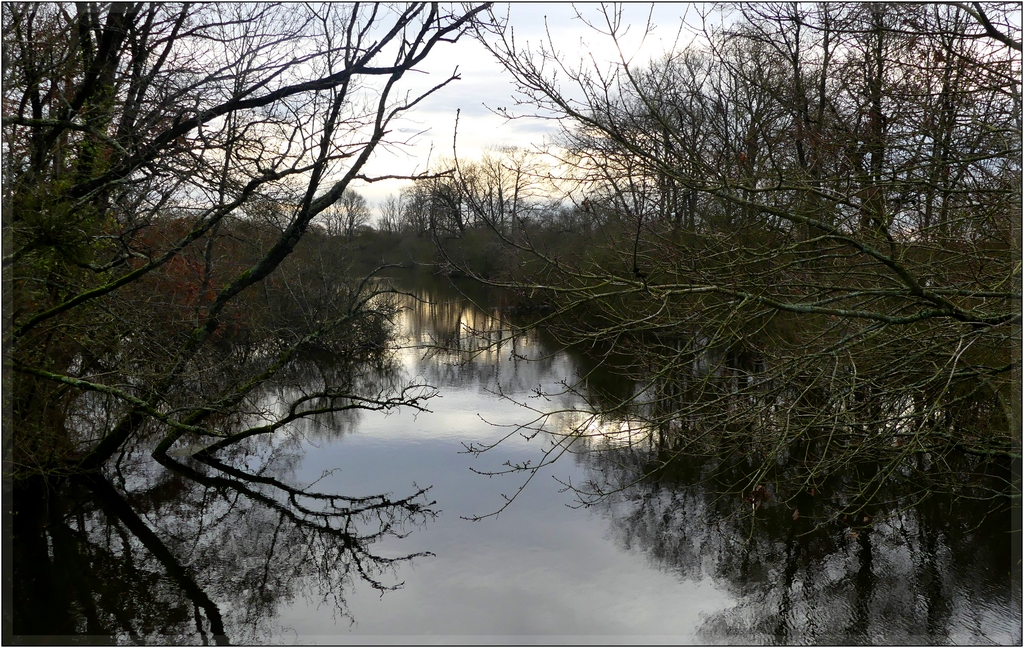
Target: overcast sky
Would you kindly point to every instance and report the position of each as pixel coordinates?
(485, 85)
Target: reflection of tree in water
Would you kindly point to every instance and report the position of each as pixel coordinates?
(204, 551)
(934, 571)
(464, 339)
(209, 545)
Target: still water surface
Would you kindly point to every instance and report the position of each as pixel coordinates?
(541, 570)
(665, 561)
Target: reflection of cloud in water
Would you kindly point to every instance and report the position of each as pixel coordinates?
(603, 432)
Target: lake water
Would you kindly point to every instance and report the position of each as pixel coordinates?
(159, 557)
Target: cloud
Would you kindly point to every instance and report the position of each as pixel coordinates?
(485, 85)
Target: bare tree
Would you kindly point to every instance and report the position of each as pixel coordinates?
(347, 215)
(391, 214)
(141, 143)
(811, 246)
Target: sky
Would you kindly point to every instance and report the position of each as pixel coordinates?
(485, 85)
